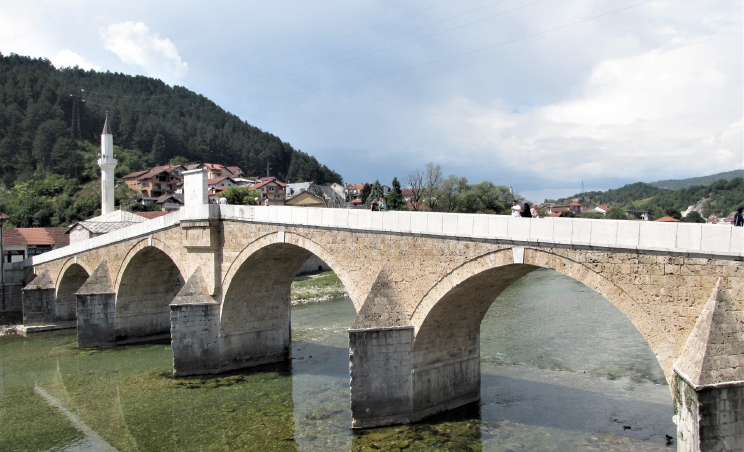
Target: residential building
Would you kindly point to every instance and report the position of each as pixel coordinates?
(21, 243)
(273, 189)
(159, 181)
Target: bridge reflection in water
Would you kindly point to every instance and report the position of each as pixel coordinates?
(420, 284)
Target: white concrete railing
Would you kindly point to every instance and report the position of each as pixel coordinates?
(717, 241)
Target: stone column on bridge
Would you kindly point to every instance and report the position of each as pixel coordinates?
(709, 380)
(195, 327)
(96, 310)
(381, 359)
(195, 190)
(39, 307)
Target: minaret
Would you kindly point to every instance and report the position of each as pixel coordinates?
(107, 162)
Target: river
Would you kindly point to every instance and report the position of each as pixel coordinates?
(562, 370)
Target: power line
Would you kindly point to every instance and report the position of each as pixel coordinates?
(379, 42)
(429, 63)
(459, 55)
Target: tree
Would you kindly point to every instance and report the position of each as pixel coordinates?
(674, 213)
(693, 217)
(616, 213)
(433, 185)
(242, 196)
(364, 193)
(415, 182)
(451, 190)
(394, 197)
(374, 193)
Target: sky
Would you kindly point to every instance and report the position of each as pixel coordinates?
(539, 95)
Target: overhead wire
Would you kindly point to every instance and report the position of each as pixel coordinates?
(378, 42)
(429, 63)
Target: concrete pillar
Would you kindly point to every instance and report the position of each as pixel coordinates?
(96, 310)
(96, 319)
(195, 187)
(381, 376)
(709, 418)
(709, 380)
(38, 306)
(194, 338)
(38, 301)
(195, 327)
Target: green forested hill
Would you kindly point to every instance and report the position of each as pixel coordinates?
(721, 197)
(674, 184)
(51, 120)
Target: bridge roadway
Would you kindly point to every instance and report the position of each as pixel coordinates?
(217, 279)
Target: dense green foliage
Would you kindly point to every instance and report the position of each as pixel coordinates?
(720, 198)
(394, 197)
(51, 121)
(242, 196)
(674, 184)
(456, 195)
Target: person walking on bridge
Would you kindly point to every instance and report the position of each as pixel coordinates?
(738, 217)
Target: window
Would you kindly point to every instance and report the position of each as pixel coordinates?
(271, 188)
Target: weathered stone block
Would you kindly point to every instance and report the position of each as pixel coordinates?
(96, 319)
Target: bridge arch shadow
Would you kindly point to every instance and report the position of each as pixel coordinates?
(147, 283)
(71, 278)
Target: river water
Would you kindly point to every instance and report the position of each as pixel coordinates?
(562, 370)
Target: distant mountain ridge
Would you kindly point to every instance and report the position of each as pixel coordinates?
(674, 184)
(720, 197)
(42, 109)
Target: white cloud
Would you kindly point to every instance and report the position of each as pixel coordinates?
(68, 58)
(671, 110)
(135, 45)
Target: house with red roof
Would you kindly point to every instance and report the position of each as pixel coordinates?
(273, 189)
(21, 243)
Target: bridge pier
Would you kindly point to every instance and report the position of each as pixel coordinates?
(96, 310)
(707, 387)
(38, 301)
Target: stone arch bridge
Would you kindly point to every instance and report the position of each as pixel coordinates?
(217, 279)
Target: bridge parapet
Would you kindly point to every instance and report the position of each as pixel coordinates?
(686, 239)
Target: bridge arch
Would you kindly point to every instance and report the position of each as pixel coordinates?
(298, 241)
(447, 319)
(255, 313)
(71, 277)
(139, 246)
(145, 286)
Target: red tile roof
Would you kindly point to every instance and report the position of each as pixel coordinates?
(574, 204)
(3, 216)
(266, 182)
(667, 219)
(35, 236)
(355, 187)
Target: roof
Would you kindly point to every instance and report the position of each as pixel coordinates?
(106, 127)
(355, 186)
(305, 199)
(217, 180)
(234, 169)
(3, 217)
(135, 174)
(668, 219)
(178, 197)
(267, 182)
(151, 215)
(574, 204)
(604, 207)
(110, 222)
(35, 236)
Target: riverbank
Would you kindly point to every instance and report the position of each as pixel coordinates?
(316, 288)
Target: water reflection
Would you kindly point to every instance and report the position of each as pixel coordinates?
(561, 369)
